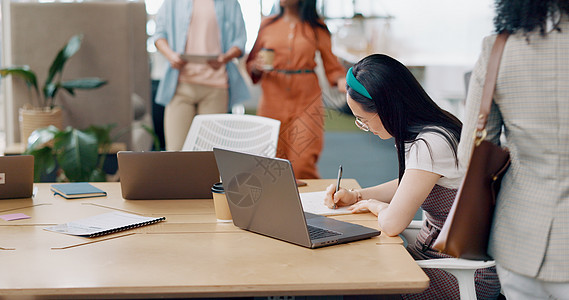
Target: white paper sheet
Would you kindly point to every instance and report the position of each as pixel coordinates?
(103, 224)
(313, 202)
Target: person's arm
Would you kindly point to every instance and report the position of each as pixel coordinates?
(394, 205)
(174, 58)
(235, 34)
(335, 72)
(383, 192)
(428, 159)
(395, 216)
(226, 57)
(255, 61)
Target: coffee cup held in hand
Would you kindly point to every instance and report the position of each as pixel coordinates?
(268, 56)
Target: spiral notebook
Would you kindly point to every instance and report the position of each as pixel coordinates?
(104, 224)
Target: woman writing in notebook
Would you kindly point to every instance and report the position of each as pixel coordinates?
(387, 100)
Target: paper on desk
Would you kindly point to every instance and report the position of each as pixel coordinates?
(103, 224)
(313, 202)
(199, 59)
(12, 217)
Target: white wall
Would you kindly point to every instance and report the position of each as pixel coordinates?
(443, 36)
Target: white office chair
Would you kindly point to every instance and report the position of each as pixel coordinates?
(247, 133)
(462, 269)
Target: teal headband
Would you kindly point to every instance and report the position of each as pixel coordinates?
(355, 84)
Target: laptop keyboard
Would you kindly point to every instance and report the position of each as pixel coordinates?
(318, 233)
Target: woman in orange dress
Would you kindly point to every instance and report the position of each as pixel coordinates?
(290, 90)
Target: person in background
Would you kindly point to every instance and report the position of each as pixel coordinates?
(530, 231)
(198, 27)
(387, 100)
(290, 90)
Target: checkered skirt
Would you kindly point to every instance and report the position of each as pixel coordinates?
(444, 285)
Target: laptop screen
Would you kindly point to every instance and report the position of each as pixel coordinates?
(262, 195)
(16, 176)
(263, 198)
(167, 174)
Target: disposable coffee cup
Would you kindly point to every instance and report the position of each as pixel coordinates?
(220, 204)
(268, 56)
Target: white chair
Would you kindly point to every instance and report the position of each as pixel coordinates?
(247, 133)
(462, 269)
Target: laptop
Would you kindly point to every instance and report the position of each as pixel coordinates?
(263, 198)
(16, 176)
(167, 174)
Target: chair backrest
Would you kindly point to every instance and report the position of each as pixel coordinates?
(248, 133)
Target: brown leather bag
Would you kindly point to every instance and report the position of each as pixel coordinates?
(467, 228)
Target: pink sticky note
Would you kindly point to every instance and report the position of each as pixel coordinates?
(12, 217)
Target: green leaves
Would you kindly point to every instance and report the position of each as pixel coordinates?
(85, 83)
(51, 88)
(54, 81)
(43, 162)
(40, 145)
(64, 54)
(75, 151)
(25, 73)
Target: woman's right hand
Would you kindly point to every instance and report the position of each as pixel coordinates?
(341, 198)
(176, 61)
(257, 65)
(173, 58)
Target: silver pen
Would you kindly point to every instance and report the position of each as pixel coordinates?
(338, 184)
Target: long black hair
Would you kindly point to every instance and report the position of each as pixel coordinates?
(403, 106)
(528, 15)
(308, 14)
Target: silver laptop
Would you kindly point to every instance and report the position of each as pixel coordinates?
(263, 198)
(167, 174)
(16, 176)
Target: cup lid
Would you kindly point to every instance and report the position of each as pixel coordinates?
(217, 187)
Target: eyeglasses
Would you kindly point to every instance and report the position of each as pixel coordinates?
(361, 125)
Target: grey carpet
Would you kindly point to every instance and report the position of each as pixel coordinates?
(363, 156)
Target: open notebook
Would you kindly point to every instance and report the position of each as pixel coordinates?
(313, 202)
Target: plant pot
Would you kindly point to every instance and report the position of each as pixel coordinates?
(32, 118)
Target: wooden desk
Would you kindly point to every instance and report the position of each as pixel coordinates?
(189, 255)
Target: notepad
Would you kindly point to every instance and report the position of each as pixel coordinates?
(313, 202)
(104, 224)
(74, 190)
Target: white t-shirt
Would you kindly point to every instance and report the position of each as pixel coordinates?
(439, 160)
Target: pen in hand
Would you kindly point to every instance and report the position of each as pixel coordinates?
(338, 184)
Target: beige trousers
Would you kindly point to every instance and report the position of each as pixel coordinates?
(188, 101)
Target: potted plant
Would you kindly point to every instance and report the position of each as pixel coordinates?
(42, 109)
(78, 155)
